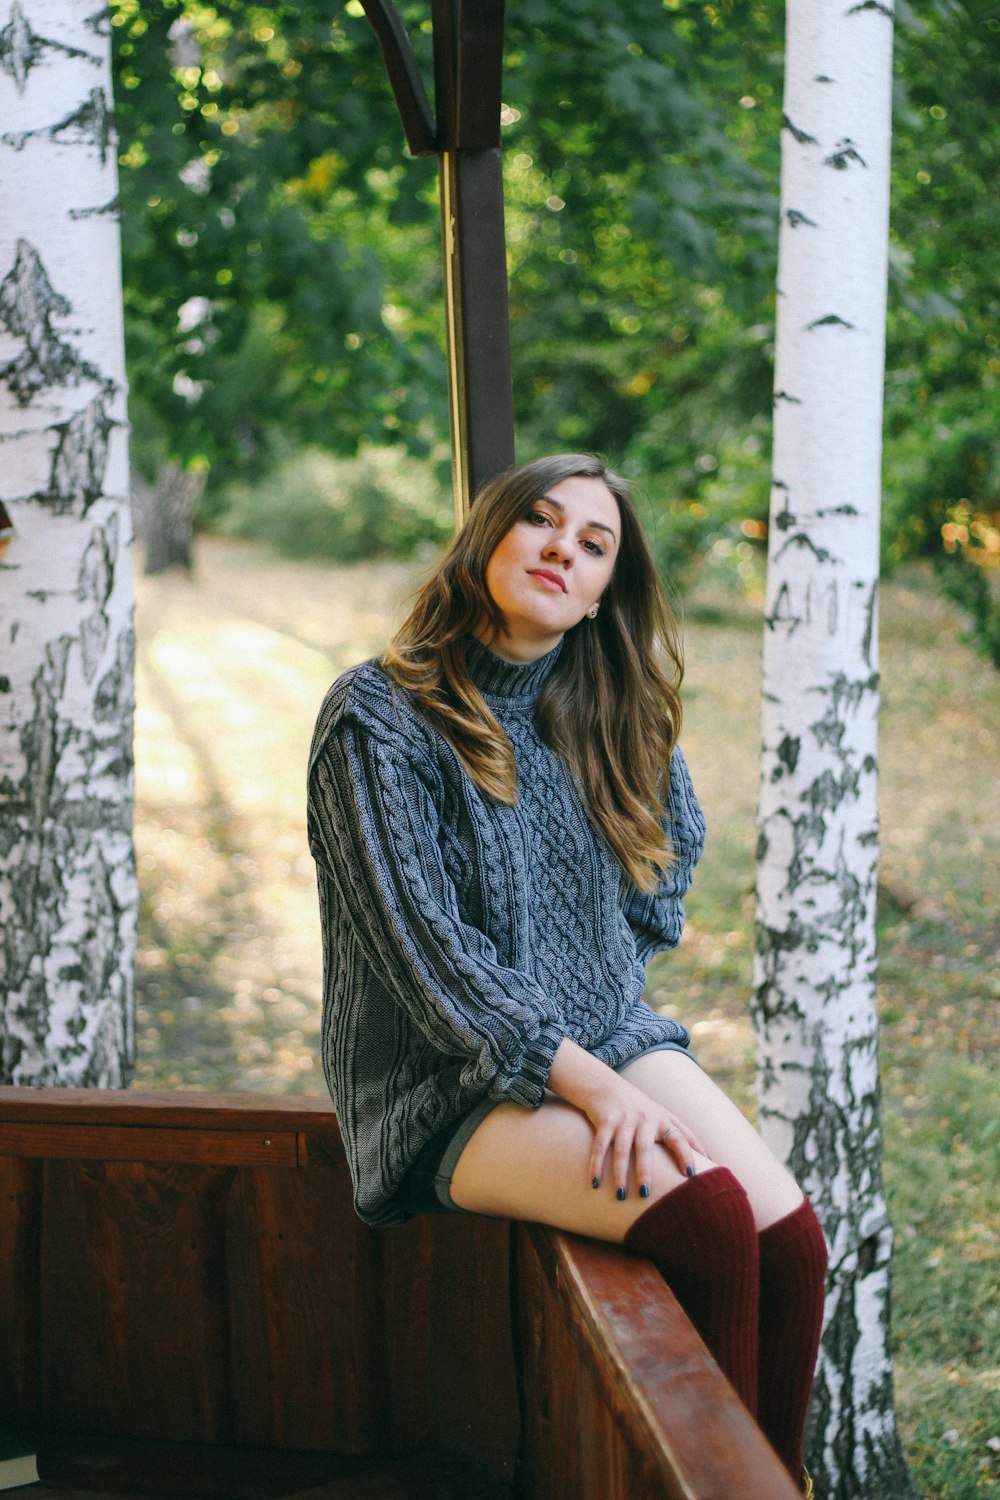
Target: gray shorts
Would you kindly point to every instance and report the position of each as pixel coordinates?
(426, 1188)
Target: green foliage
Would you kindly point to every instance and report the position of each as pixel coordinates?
(943, 345)
(265, 213)
(942, 502)
(281, 253)
(382, 504)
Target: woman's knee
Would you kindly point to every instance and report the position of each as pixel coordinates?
(727, 1135)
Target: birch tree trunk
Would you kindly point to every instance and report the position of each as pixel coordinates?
(814, 1000)
(68, 898)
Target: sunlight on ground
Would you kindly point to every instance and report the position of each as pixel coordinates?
(232, 667)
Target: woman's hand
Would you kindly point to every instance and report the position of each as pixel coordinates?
(627, 1123)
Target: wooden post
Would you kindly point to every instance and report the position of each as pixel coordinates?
(465, 135)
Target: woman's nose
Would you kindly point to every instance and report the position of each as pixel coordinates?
(555, 550)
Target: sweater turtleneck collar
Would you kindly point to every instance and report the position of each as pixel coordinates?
(519, 682)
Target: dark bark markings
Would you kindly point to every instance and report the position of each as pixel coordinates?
(799, 539)
(29, 304)
(42, 739)
(113, 208)
(79, 461)
(21, 48)
(90, 125)
(824, 794)
(113, 695)
(802, 136)
(54, 826)
(768, 1001)
(783, 612)
(785, 519)
(841, 158)
(97, 576)
(871, 616)
(831, 320)
(99, 22)
(788, 756)
(815, 598)
(847, 694)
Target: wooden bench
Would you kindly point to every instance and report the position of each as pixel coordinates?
(189, 1306)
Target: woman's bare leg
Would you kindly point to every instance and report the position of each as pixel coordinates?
(533, 1164)
(726, 1134)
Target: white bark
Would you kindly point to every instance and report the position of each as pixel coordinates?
(814, 1002)
(68, 897)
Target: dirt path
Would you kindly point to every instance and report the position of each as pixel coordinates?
(232, 666)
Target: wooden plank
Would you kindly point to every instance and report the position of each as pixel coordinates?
(20, 1313)
(447, 1334)
(367, 1340)
(435, 1477)
(178, 1108)
(609, 1357)
(305, 1313)
(195, 1471)
(135, 1333)
(99, 1142)
(248, 1304)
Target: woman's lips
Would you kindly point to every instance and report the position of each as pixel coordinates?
(551, 579)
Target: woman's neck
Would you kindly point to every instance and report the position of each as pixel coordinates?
(516, 649)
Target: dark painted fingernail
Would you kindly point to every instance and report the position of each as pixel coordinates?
(644, 1190)
(595, 1182)
(621, 1195)
(691, 1170)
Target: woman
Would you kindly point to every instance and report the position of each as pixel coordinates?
(505, 829)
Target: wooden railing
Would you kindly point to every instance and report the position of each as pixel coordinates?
(186, 1268)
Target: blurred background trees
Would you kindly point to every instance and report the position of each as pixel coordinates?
(283, 286)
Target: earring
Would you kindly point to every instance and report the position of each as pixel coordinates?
(592, 612)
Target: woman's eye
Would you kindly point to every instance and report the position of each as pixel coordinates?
(537, 518)
(594, 548)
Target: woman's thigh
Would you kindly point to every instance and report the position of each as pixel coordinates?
(533, 1164)
(723, 1130)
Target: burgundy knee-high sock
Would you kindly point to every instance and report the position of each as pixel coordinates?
(703, 1241)
(792, 1288)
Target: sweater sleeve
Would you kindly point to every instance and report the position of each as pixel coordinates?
(657, 919)
(373, 830)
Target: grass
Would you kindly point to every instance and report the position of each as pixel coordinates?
(232, 668)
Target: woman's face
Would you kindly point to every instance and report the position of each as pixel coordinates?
(553, 565)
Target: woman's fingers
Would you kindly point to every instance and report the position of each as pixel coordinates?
(645, 1151)
(679, 1145)
(629, 1143)
(628, 1127)
(622, 1160)
(603, 1137)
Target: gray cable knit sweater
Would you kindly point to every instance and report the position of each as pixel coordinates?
(464, 939)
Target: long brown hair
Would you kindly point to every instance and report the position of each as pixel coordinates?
(610, 706)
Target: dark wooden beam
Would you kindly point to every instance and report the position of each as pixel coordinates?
(404, 76)
(468, 67)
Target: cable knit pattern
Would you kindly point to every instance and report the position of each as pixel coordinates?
(464, 939)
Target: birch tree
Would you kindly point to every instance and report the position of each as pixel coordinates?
(814, 1000)
(68, 898)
